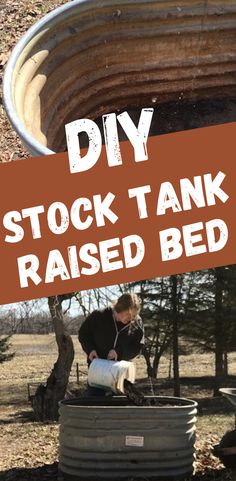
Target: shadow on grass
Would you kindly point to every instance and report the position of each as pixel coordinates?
(23, 417)
(199, 389)
(49, 472)
(202, 382)
(214, 475)
(217, 405)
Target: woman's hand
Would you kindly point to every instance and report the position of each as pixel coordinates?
(93, 355)
(112, 355)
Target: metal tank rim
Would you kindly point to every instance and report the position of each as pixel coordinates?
(8, 103)
(188, 403)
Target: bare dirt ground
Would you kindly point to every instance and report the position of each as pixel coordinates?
(15, 18)
(29, 449)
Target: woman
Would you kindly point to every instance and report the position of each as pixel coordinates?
(114, 333)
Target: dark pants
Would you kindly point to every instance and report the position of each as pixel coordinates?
(97, 391)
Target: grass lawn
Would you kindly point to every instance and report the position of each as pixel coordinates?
(28, 449)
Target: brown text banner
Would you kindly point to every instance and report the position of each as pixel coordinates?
(172, 213)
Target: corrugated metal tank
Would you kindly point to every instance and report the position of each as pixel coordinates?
(107, 439)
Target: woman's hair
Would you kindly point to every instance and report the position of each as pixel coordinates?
(126, 301)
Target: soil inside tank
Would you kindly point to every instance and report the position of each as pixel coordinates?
(123, 401)
(178, 116)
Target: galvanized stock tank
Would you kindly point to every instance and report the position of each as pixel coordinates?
(92, 57)
(110, 439)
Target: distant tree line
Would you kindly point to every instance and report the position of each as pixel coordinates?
(191, 312)
(29, 318)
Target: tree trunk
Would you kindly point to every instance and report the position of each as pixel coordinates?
(146, 356)
(175, 337)
(170, 367)
(219, 332)
(156, 362)
(225, 364)
(45, 402)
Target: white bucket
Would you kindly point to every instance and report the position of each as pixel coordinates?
(104, 374)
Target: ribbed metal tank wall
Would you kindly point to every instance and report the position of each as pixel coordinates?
(117, 440)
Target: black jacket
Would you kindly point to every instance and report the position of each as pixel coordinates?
(100, 331)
